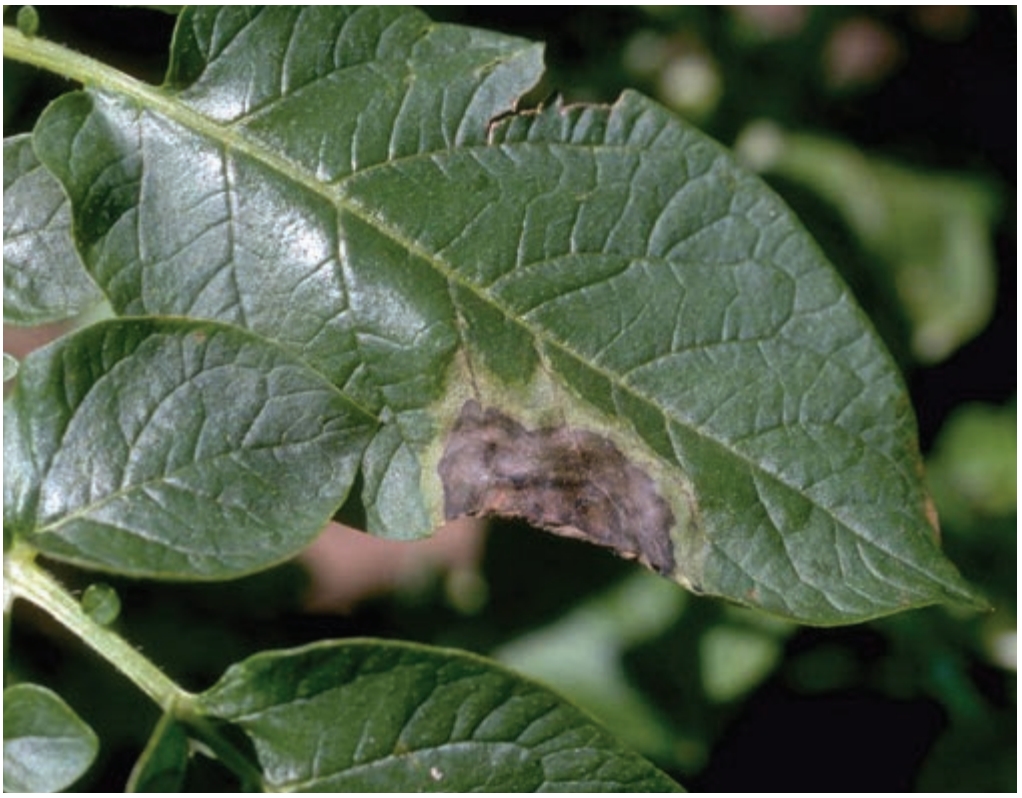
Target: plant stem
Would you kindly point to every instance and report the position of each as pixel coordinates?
(66, 62)
(26, 580)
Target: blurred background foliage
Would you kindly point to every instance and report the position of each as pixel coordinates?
(892, 133)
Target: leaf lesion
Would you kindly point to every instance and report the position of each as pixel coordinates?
(572, 482)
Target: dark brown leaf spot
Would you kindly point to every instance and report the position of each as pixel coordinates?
(568, 481)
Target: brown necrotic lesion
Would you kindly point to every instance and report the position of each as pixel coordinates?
(569, 481)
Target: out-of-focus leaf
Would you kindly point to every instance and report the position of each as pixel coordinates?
(44, 279)
(366, 716)
(974, 757)
(161, 768)
(930, 234)
(972, 472)
(580, 655)
(974, 465)
(46, 745)
(735, 657)
(174, 448)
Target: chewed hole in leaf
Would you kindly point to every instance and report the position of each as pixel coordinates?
(571, 482)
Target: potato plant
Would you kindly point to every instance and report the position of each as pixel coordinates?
(336, 245)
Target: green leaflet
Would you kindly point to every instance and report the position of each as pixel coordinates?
(364, 716)
(360, 194)
(163, 763)
(928, 234)
(174, 448)
(47, 746)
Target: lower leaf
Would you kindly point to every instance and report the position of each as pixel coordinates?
(47, 747)
(161, 768)
(366, 715)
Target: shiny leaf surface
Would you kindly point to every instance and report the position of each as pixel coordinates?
(174, 448)
(44, 280)
(364, 716)
(47, 747)
(362, 192)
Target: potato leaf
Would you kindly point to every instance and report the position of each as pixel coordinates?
(174, 448)
(588, 317)
(47, 747)
(365, 716)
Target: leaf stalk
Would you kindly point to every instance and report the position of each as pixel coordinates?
(60, 60)
(24, 579)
